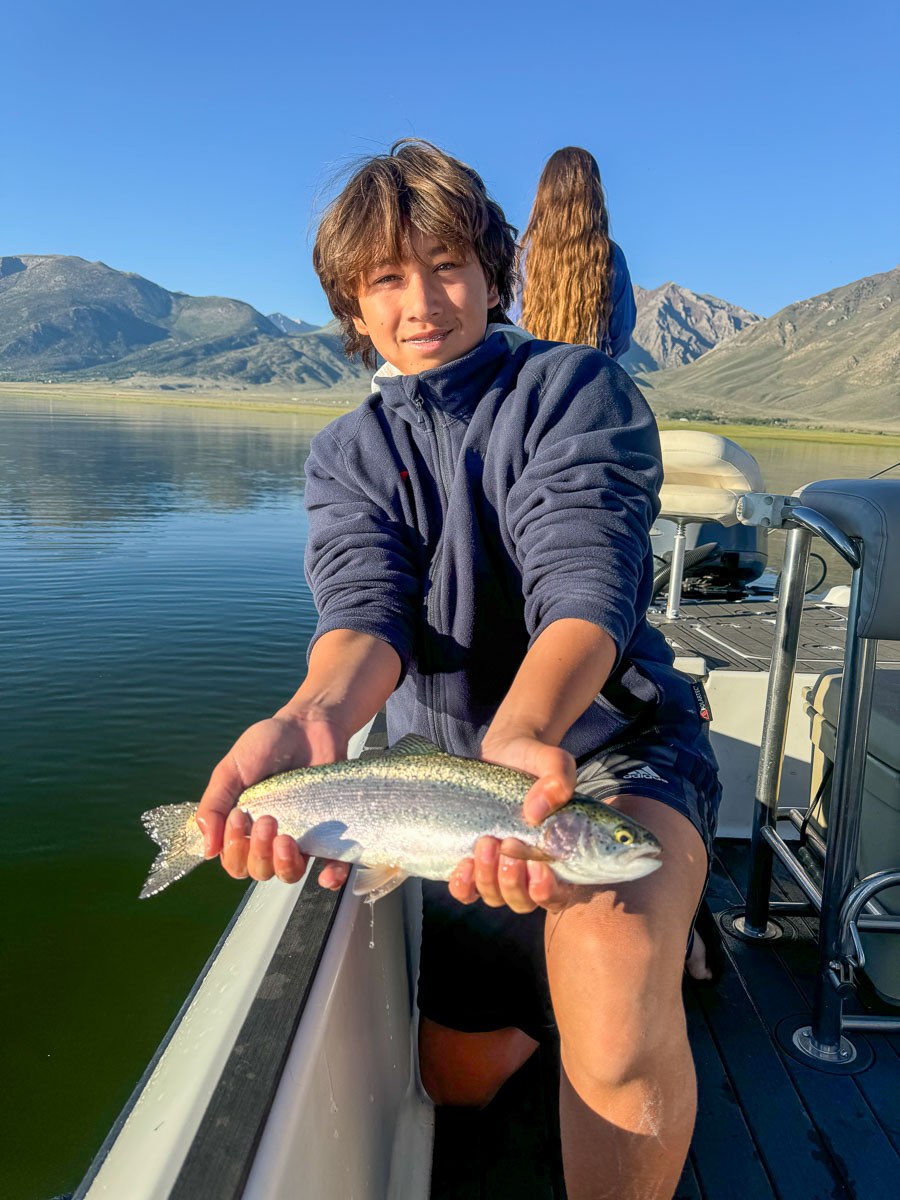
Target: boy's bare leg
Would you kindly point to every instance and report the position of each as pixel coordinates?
(615, 962)
(468, 1069)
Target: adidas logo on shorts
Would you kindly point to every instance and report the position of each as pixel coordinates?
(644, 772)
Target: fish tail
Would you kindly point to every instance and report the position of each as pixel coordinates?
(180, 842)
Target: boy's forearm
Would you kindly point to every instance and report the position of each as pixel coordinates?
(350, 677)
(559, 677)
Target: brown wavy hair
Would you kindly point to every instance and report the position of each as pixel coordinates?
(568, 294)
(414, 186)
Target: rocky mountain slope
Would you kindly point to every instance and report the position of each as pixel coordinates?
(64, 318)
(289, 325)
(832, 359)
(676, 326)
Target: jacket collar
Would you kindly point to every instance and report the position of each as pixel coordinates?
(456, 387)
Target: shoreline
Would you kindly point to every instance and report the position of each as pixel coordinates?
(792, 433)
(319, 406)
(279, 402)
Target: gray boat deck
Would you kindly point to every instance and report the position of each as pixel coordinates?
(767, 1127)
(738, 636)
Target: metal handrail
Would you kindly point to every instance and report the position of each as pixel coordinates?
(852, 907)
(846, 547)
(771, 511)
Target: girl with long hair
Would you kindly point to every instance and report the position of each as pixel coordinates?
(574, 281)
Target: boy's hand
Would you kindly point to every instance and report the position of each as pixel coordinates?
(281, 743)
(506, 872)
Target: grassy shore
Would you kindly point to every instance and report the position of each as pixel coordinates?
(314, 404)
(332, 404)
(742, 433)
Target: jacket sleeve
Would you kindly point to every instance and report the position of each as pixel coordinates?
(624, 311)
(360, 562)
(580, 512)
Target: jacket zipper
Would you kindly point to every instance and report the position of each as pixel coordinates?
(444, 476)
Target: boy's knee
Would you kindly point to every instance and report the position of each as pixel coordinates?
(614, 1057)
(611, 951)
(625, 1011)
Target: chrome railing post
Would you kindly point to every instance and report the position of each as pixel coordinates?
(755, 922)
(851, 744)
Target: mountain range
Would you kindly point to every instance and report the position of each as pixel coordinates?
(831, 359)
(65, 319)
(676, 326)
(289, 325)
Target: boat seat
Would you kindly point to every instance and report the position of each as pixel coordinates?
(868, 509)
(704, 476)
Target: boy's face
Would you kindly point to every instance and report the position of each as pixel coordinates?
(426, 310)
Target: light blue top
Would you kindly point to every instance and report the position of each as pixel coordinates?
(617, 338)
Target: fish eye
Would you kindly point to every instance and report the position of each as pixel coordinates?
(624, 836)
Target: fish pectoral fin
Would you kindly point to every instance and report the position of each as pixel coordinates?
(412, 743)
(375, 882)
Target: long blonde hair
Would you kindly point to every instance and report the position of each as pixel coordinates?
(567, 253)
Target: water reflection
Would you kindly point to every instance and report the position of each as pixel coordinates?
(152, 604)
(66, 464)
(789, 464)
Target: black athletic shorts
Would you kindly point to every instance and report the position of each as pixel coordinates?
(483, 968)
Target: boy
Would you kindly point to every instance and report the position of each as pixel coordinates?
(479, 557)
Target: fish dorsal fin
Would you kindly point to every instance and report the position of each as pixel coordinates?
(412, 743)
(375, 882)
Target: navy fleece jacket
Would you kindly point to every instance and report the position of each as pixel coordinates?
(457, 513)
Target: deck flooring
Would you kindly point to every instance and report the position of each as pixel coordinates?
(738, 636)
(768, 1128)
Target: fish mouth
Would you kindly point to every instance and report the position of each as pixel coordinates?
(635, 868)
(643, 864)
(643, 860)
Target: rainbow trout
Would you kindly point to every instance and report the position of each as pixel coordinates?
(414, 810)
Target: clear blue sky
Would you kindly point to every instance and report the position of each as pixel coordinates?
(751, 151)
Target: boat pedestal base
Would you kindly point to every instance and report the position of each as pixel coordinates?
(795, 1038)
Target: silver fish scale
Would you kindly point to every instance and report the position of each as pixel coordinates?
(421, 813)
(419, 810)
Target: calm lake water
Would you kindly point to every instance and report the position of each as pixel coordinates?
(152, 605)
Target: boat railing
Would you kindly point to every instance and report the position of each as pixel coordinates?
(860, 520)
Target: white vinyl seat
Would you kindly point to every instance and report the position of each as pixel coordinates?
(704, 476)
